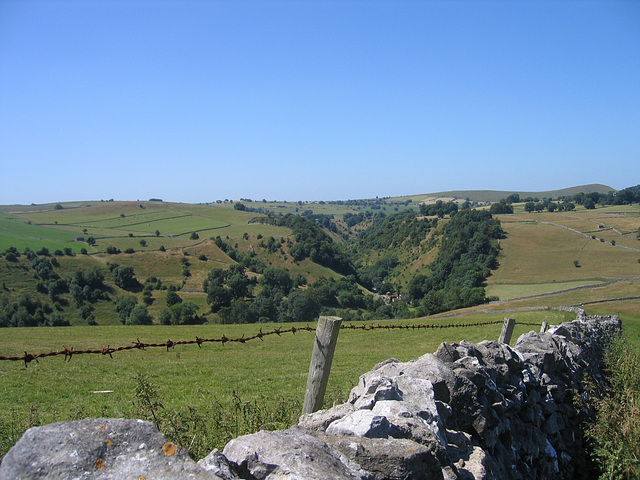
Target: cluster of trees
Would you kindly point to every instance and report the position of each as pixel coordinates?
(404, 228)
(124, 277)
(626, 196)
(353, 219)
(88, 286)
(441, 209)
(85, 288)
(179, 312)
(283, 298)
(131, 313)
(376, 277)
(314, 243)
(249, 260)
(550, 206)
(501, 207)
(467, 255)
(322, 219)
(29, 312)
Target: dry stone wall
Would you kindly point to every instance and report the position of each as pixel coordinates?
(468, 411)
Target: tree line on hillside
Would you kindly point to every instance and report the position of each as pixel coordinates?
(85, 288)
(468, 252)
(626, 196)
(465, 259)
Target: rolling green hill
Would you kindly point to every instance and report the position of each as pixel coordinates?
(386, 241)
(490, 196)
(586, 257)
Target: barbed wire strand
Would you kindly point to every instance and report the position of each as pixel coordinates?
(169, 344)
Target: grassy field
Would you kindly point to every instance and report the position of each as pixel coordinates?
(535, 252)
(543, 254)
(199, 377)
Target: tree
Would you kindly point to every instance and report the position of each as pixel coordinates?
(124, 277)
(173, 298)
(239, 206)
(276, 279)
(180, 314)
(125, 306)
(139, 316)
(143, 243)
(194, 236)
(529, 207)
(300, 306)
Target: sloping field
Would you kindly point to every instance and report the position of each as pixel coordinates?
(538, 252)
(510, 291)
(569, 258)
(497, 195)
(19, 228)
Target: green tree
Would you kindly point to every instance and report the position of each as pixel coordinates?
(125, 306)
(173, 298)
(139, 316)
(184, 313)
(276, 279)
(300, 306)
(124, 277)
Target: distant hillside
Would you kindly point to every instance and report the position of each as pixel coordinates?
(491, 196)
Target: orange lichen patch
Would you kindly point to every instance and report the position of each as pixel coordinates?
(108, 442)
(102, 427)
(100, 464)
(142, 478)
(169, 448)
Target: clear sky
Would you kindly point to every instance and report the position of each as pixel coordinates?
(194, 101)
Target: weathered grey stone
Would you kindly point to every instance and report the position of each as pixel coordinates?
(321, 419)
(361, 423)
(291, 454)
(218, 464)
(390, 458)
(100, 449)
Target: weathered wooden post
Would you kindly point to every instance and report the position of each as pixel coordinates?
(323, 348)
(543, 327)
(507, 330)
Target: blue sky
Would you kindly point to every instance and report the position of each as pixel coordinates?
(195, 101)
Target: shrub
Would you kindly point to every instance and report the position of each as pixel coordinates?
(616, 431)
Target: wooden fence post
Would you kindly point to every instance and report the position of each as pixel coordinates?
(543, 327)
(323, 348)
(507, 330)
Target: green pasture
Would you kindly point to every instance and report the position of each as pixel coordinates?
(507, 291)
(199, 377)
(18, 228)
(539, 252)
(21, 243)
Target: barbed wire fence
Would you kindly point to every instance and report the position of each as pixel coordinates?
(69, 353)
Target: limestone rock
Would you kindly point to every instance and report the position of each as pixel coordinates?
(291, 454)
(98, 449)
(390, 458)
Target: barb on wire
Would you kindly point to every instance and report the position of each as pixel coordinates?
(169, 344)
